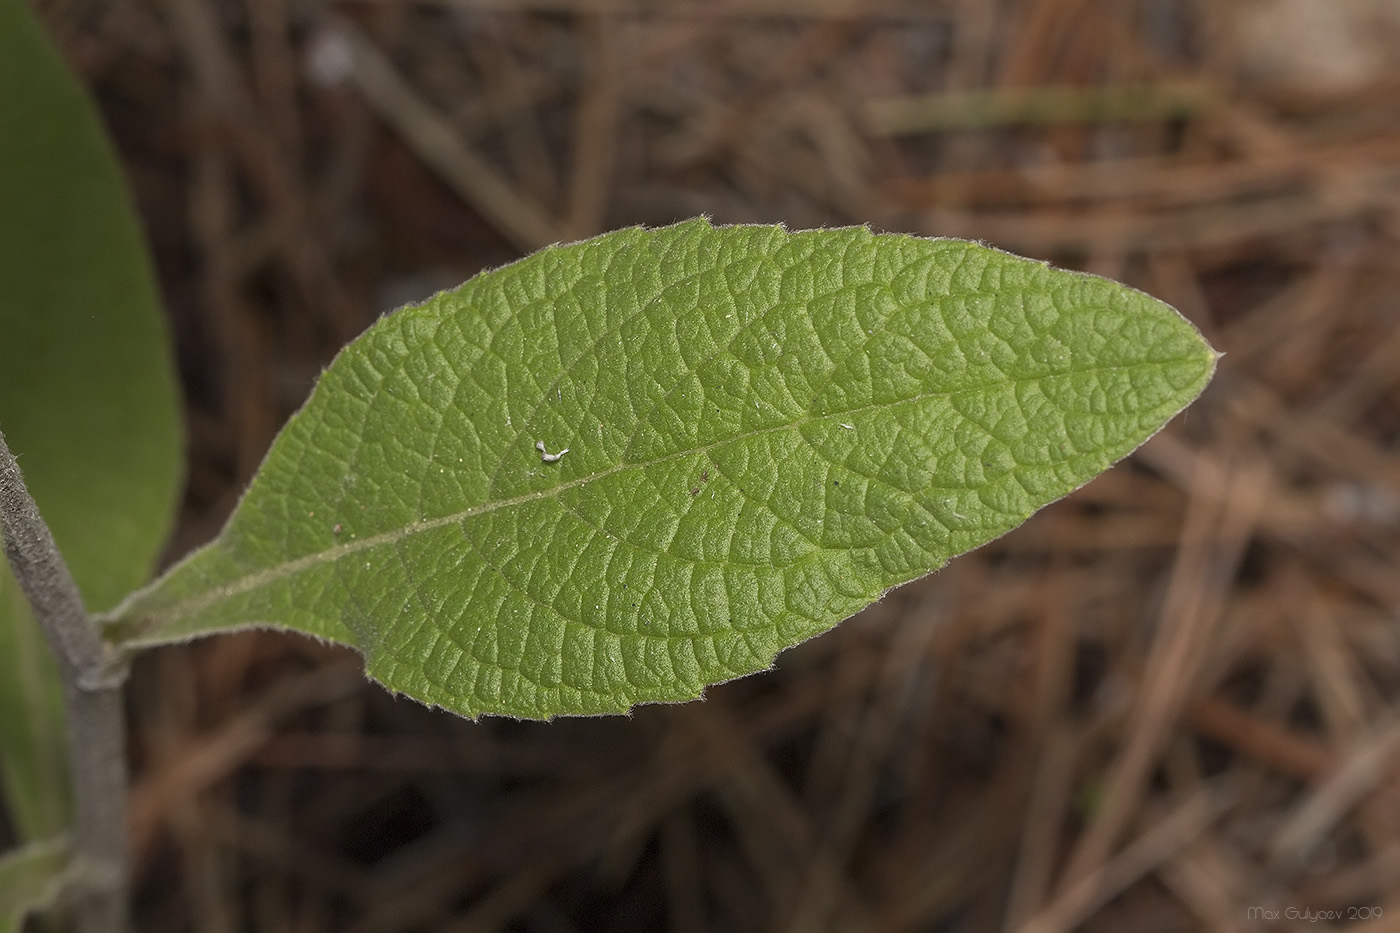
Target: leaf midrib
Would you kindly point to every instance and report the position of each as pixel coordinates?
(250, 582)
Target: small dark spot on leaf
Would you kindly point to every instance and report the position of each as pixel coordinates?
(836, 482)
(704, 476)
(695, 490)
(337, 528)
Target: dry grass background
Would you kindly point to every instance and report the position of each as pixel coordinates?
(1169, 702)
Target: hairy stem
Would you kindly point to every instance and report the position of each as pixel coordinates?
(92, 698)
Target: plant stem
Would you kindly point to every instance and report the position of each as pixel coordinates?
(92, 689)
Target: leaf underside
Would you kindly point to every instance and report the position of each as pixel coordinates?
(765, 432)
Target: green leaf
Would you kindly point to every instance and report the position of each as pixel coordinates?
(33, 738)
(765, 432)
(31, 878)
(87, 398)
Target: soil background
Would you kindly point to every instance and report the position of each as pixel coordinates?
(1168, 702)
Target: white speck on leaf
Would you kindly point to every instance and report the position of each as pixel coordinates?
(848, 427)
(548, 457)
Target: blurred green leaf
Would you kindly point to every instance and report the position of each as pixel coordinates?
(87, 390)
(765, 432)
(33, 741)
(31, 877)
